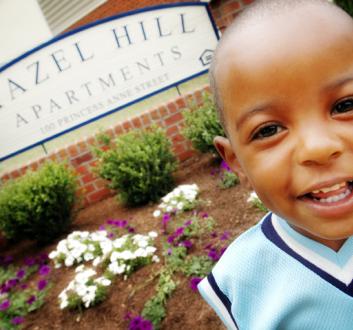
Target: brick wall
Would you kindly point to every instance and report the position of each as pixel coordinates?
(80, 157)
(223, 11)
(114, 7)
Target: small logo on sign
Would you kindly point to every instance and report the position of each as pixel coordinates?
(206, 57)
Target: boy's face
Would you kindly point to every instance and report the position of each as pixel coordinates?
(287, 94)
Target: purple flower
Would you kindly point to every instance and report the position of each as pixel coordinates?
(222, 251)
(30, 262)
(166, 217)
(101, 227)
(131, 230)
(187, 244)
(5, 305)
(20, 274)
(208, 246)
(43, 257)
(213, 255)
(44, 270)
(194, 282)
(170, 239)
(23, 286)
(121, 223)
(225, 236)
(214, 234)
(136, 321)
(224, 166)
(110, 222)
(139, 323)
(12, 282)
(188, 223)
(146, 325)
(169, 251)
(111, 235)
(17, 320)
(31, 300)
(179, 231)
(205, 215)
(4, 288)
(41, 284)
(127, 316)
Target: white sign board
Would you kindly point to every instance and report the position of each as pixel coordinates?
(101, 68)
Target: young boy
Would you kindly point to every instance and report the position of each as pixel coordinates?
(282, 77)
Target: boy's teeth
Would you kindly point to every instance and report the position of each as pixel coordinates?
(335, 198)
(332, 188)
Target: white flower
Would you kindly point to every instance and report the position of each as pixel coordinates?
(106, 246)
(88, 256)
(169, 209)
(155, 258)
(157, 213)
(79, 268)
(152, 234)
(69, 261)
(64, 303)
(253, 197)
(150, 249)
(97, 261)
(119, 242)
(103, 281)
(180, 206)
(142, 243)
(53, 254)
(126, 255)
(115, 268)
(114, 256)
(141, 252)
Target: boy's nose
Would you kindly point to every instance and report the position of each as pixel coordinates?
(318, 146)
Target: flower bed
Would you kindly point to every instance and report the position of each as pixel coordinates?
(188, 251)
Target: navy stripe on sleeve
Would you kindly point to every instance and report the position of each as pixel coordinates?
(226, 302)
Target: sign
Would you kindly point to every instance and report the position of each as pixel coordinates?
(100, 68)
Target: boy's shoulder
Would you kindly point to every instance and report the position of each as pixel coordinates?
(262, 283)
(249, 251)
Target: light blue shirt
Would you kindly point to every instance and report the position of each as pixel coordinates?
(272, 277)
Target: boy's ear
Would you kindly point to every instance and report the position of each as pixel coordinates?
(225, 149)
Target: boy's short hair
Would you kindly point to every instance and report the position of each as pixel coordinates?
(257, 11)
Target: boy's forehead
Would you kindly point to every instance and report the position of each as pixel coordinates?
(290, 40)
(284, 36)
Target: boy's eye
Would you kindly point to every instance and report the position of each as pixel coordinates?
(343, 106)
(267, 131)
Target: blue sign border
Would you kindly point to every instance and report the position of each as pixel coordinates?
(98, 22)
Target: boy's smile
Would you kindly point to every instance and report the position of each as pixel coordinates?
(286, 87)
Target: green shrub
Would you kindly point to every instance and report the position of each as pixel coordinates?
(202, 125)
(139, 166)
(38, 205)
(346, 5)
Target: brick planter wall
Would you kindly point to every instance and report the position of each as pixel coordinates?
(80, 157)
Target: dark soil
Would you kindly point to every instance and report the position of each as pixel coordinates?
(185, 308)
